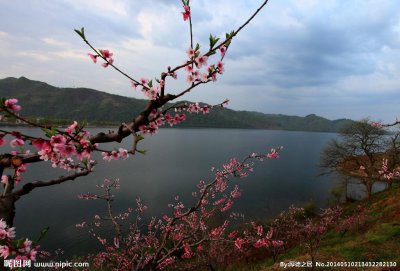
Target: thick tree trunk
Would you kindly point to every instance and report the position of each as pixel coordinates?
(368, 187)
(7, 202)
(7, 210)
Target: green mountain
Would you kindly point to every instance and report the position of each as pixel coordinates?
(42, 100)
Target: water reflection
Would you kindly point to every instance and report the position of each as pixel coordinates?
(176, 160)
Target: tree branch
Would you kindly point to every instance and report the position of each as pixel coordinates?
(27, 188)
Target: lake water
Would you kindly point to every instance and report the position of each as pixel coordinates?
(176, 160)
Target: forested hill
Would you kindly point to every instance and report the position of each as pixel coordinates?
(41, 100)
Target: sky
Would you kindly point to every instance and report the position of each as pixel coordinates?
(333, 58)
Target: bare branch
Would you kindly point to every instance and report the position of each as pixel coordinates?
(27, 188)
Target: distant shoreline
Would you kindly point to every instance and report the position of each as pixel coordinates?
(175, 127)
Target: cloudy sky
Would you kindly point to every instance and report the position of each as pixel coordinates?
(334, 58)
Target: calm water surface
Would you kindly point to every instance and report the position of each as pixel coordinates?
(176, 160)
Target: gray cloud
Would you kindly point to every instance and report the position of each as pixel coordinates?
(334, 58)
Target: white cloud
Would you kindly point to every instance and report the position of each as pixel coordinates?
(4, 35)
(40, 56)
(106, 8)
(55, 42)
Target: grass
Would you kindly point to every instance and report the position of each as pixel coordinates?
(378, 240)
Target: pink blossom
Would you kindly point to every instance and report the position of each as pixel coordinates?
(233, 234)
(3, 234)
(191, 53)
(93, 57)
(144, 81)
(16, 142)
(106, 53)
(227, 206)
(17, 180)
(187, 253)
(273, 154)
(222, 50)
(4, 179)
(123, 153)
(21, 169)
(58, 139)
(204, 77)
(108, 56)
(143, 129)
(239, 242)
(27, 245)
(32, 254)
(2, 140)
(174, 75)
(193, 108)
(110, 62)
(3, 224)
(189, 69)
(41, 144)
(12, 104)
(106, 156)
(200, 61)
(205, 109)
(220, 66)
(114, 155)
(186, 13)
(11, 232)
(190, 79)
(81, 225)
(4, 251)
(261, 243)
(65, 150)
(376, 124)
(71, 128)
(166, 262)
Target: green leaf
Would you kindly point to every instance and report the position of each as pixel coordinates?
(19, 242)
(197, 47)
(139, 137)
(42, 234)
(85, 162)
(213, 41)
(150, 83)
(49, 133)
(142, 152)
(81, 33)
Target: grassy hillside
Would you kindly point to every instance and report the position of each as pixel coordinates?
(378, 240)
(39, 99)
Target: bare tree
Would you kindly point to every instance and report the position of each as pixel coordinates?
(357, 153)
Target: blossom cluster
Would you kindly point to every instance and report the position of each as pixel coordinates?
(105, 54)
(387, 174)
(60, 148)
(158, 119)
(149, 88)
(187, 229)
(115, 155)
(195, 72)
(17, 249)
(12, 104)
